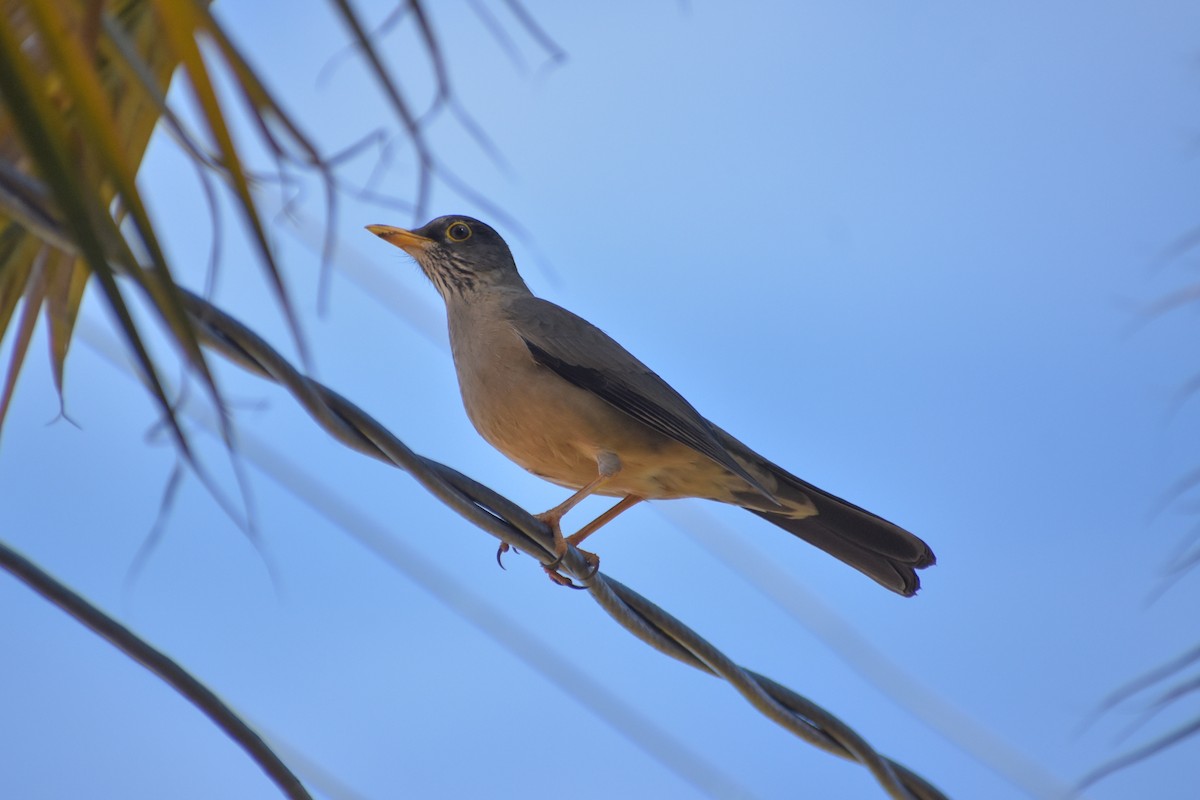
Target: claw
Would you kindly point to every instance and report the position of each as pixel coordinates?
(562, 580)
(504, 548)
(553, 565)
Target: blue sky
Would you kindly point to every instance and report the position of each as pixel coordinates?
(901, 249)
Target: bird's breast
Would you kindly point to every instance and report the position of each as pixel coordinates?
(556, 430)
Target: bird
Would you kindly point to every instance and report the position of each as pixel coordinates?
(565, 401)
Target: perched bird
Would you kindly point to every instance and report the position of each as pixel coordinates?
(561, 398)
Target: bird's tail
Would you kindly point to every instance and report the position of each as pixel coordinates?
(875, 547)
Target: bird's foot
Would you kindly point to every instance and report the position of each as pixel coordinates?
(552, 519)
(552, 572)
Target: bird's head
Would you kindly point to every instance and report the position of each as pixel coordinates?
(459, 254)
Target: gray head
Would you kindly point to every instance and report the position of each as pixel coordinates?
(459, 254)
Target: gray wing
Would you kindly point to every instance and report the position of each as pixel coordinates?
(587, 357)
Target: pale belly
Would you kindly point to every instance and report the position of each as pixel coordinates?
(558, 431)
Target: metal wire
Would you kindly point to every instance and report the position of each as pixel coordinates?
(511, 524)
(788, 594)
(460, 598)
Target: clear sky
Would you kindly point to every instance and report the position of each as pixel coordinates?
(902, 249)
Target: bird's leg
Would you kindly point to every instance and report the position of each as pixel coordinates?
(629, 501)
(608, 466)
(554, 516)
(587, 530)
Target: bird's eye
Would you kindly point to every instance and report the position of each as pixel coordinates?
(458, 232)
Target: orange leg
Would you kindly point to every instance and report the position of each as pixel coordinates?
(608, 466)
(560, 544)
(626, 503)
(554, 516)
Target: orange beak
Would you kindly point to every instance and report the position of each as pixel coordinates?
(409, 242)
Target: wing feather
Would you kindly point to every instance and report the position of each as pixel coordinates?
(585, 356)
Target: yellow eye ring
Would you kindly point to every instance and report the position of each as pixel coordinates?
(458, 232)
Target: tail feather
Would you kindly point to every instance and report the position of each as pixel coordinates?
(879, 549)
(858, 544)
